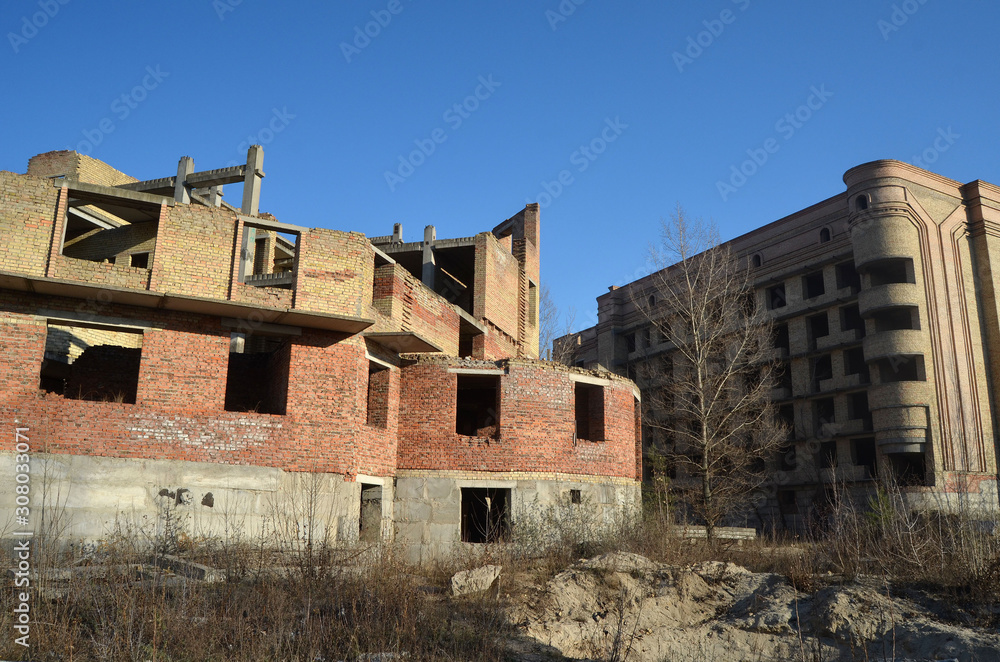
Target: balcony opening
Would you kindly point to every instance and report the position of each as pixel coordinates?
(268, 257)
(818, 327)
(854, 364)
(589, 412)
(824, 423)
(822, 370)
(886, 272)
(863, 455)
(848, 277)
(485, 514)
(477, 406)
(828, 455)
(850, 320)
(378, 395)
(90, 362)
(645, 338)
(909, 469)
(109, 230)
(812, 285)
(857, 409)
(776, 297)
(370, 517)
(257, 377)
(897, 319)
(780, 339)
(902, 368)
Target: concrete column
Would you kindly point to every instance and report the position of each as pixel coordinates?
(397, 233)
(427, 273)
(251, 181)
(215, 196)
(184, 168)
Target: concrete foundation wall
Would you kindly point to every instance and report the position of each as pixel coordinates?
(89, 498)
(428, 507)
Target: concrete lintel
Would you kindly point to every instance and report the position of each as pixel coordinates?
(119, 196)
(504, 484)
(380, 254)
(636, 392)
(264, 327)
(374, 359)
(478, 371)
(373, 480)
(403, 342)
(277, 226)
(87, 319)
(590, 379)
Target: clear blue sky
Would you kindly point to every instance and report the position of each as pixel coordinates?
(893, 78)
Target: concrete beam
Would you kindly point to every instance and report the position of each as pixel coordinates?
(251, 180)
(219, 177)
(112, 194)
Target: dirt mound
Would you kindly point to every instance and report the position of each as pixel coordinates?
(603, 607)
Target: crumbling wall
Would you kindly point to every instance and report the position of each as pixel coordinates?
(29, 205)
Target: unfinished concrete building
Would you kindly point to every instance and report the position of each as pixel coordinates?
(888, 329)
(167, 350)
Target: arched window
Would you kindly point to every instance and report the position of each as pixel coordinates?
(756, 261)
(861, 202)
(824, 235)
(652, 300)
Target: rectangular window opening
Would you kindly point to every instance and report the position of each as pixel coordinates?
(848, 277)
(857, 409)
(139, 260)
(812, 285)
(850, 320)
(823, 416)
(828, 455)
(378, 395)
(863, 455)
(90, 362)
(575, 496)
(257, 376)
(781, 340)
(485, 514)
(100, 231)
(589, 412)
(787, 503)
(370, 518)
(477, 411)
(902, 368)
(532, 304)
(776, 297)
(819, 327)
(822, 370)
(854, 364)
(897, 319)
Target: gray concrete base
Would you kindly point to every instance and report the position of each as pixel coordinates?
(428, 510)
(91, 498)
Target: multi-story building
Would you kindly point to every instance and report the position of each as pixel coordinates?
(166, 351)
(888, 328)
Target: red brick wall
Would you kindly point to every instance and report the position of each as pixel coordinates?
(497, 284)
(536, 424)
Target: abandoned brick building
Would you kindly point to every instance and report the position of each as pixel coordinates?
(884, 299)
(168, 350)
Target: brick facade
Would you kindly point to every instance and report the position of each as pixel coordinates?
(331, 370)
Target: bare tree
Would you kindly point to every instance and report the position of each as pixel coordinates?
(550, 329)
(709, 395)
